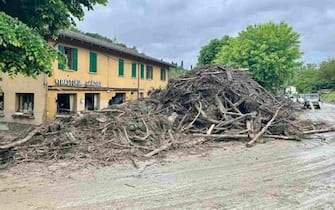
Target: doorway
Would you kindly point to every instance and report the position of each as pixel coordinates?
(65, 103)
(92, 101)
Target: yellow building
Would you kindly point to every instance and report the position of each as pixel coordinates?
(97, 74)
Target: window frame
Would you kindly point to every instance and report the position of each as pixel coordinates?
(20, 103)
(71, 59)
(2, 103)
(133, 70)
(149, 72)
(163, 74)
(93, 68)
(121, 67)
(142, 74)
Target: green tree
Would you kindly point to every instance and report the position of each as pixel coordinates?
(305, 78)
(22, 50)
(270, 51)
(47, 17)
(176, 72)
(104, 38)
(327, 70)
(25, 25)
(208, 52)
(326, 75)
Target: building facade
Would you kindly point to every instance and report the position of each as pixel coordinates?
(97, 74)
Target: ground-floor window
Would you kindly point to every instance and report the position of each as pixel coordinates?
(2, 102)
(65, 103)
(92, 101)
(117, 99)
(25, 103)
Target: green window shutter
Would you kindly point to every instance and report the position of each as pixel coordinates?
(61, 49)
(162, 74)
(133, 70)
(147, 72)
(151, 72)
(93, 62)
(75, 59)
(142, 71)
(121, 67)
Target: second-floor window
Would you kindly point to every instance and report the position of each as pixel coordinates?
(133, 70)
(163, 74)
(93, 62)
(149, 72)
(71, 55)
(121, 67)
(142, 70)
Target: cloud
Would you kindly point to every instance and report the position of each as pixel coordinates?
(175, 30)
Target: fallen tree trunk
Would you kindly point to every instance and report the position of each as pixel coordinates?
(24, 140)
(250, 143)
(154, 152)
(324, 130)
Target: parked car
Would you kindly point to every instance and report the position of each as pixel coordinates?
(312, 99)
(301, 98)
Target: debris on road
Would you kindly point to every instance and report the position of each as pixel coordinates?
(211, 102)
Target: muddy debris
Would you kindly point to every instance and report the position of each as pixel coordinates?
(209, 103)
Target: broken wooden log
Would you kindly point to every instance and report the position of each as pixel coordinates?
(250, 143)
(324, 130)
(156, 151)
(22, 141)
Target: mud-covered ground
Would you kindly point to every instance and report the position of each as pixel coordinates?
(274, 175)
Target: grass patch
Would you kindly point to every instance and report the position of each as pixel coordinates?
(328, 97)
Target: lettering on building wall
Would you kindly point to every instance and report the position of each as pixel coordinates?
(91, 83)
(68, 82)
(77, 83)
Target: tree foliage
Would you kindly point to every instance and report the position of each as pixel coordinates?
(47, 17)
(23, 50)
(176, 72)
(104, 38)
(26, 24)
(327, 70)
(305, 78)
(208, 52)
(311, 78)
(270, 51)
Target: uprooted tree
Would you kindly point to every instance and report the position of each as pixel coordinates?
(270, 51)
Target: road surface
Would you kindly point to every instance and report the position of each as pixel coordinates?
(274, 175)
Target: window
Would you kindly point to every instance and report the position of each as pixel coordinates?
(92, 101)
(66, 103)
(1, 103)
(71, 55)
(93, 62)
(133, 70)
(142, 71)
(25, 103)
(121, 67)
(119, 98)
(163, 74)
(149, 72)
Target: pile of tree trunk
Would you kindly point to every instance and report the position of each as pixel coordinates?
(209, 103)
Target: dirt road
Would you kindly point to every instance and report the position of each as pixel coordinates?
(275, 175)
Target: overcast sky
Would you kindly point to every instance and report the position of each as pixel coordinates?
(175, 30)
